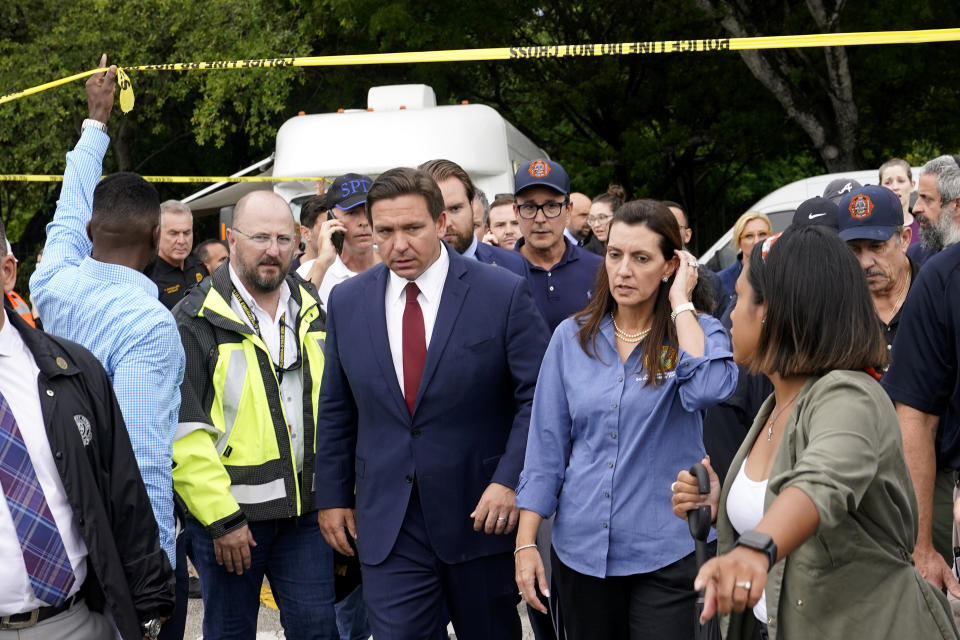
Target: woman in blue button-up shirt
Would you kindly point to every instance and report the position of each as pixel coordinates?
(618, 408)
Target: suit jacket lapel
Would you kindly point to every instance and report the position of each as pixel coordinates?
(451, 301)
(377, 325)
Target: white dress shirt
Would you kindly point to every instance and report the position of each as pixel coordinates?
(430, 283)
(18, 384)
(336, 273)
(291, 387)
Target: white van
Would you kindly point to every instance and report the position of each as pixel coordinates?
(780, 205)
(401, 126)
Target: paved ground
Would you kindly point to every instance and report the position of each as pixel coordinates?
(269, 626)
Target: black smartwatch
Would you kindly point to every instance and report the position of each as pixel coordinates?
(759, 542)
(150, 628)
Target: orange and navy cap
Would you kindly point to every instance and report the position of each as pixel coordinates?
(542, 173)
(869, 213)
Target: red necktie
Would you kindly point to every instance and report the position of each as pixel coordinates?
(414, 346)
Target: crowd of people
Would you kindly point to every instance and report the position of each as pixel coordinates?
(416, 407)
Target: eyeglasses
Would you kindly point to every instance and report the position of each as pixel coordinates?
(264, 240)
(595, 220)
(529, 210)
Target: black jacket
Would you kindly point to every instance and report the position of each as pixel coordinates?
(128, 573)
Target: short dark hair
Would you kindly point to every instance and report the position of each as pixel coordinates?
(124, 199)
(819, 313)
(500, 200)
(311, 209)
(442, 169)
(202, 251)
(404, 181)
(3, 239)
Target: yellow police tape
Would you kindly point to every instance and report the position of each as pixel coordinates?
(52, 177)
(526, 52)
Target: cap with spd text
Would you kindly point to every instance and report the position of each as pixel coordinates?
(348, 191)
(870, 213)
(816, 210)
(542, 173)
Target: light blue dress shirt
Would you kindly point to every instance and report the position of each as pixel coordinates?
(471, 251)
(114, 312)
(603, 448)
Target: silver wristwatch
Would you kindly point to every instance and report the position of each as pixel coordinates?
(94, 124)
(150, 628)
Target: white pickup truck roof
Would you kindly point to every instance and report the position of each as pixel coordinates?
(779, 205)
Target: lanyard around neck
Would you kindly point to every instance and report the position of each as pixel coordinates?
(283, 334)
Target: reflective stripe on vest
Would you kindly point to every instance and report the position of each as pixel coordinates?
(21, 308)
(248, 431)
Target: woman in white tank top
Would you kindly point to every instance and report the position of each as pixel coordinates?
(816, 521)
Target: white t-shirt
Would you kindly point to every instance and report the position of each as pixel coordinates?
(337, 273)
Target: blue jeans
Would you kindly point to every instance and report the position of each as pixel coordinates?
(352, 616)
(297, 561)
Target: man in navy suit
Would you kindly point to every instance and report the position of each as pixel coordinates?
(458, 195)
(431, 364)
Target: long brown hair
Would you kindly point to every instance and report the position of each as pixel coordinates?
(657, 217)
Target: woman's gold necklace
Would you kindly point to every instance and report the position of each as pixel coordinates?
(628, 337)
(776, 414)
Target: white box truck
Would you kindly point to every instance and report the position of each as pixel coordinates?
(401, 126)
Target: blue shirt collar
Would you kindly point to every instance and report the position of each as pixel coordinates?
(118, 274)
(471, 251)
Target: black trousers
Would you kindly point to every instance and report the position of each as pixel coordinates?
(657, 606)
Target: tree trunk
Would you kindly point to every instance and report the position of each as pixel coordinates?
(121, 148)
(834, 134)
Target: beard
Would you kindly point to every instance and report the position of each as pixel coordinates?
(261, 284)
(460, 242)
(930, 236)
(948, 228)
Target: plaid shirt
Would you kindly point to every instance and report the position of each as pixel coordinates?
(114, 312)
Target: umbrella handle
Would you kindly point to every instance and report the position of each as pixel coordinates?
(699, 519)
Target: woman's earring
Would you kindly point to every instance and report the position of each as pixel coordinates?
(764, 320)
(665, 278)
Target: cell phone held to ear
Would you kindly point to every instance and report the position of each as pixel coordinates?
(337, 237)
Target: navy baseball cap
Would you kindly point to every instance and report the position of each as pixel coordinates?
(542, 173)
(816, 210)
(870, 213)
(348, 191)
